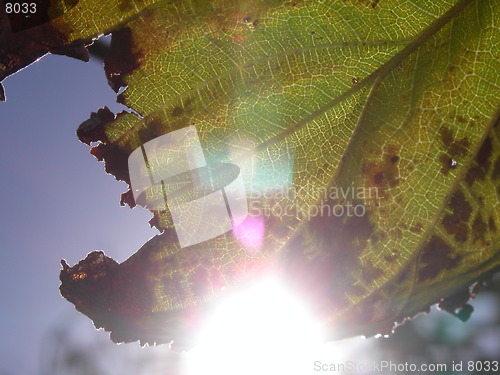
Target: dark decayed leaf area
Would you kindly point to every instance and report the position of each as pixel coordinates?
(399, 96)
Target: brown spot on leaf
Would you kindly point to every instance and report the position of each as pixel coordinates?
(459, 230)
(447, 164)
(385, 173)
(177, 111)
(456, 222)
(473, 174)
(459, 148)
(455, 148)
(478, 228)
(484, 154)
(446, 136)
(436, 256)
(461, 208)
(417, 228)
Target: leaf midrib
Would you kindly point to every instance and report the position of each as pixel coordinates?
(379, 73)
(376, 77)
(239, 68)
(382, 72)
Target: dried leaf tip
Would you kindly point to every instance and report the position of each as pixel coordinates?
(64, 264)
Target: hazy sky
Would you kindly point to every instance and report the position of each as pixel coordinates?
(57, 202)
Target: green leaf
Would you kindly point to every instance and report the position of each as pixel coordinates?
(385, 106)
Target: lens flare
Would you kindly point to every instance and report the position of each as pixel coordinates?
(251, 233)
(262, 330)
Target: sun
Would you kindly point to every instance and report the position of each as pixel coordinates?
(263, 330)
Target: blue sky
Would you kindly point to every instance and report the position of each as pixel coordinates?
(57, 201)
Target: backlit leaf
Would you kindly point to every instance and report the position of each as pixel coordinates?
(386, 107)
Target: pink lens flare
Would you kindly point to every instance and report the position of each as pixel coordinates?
(250, 233)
